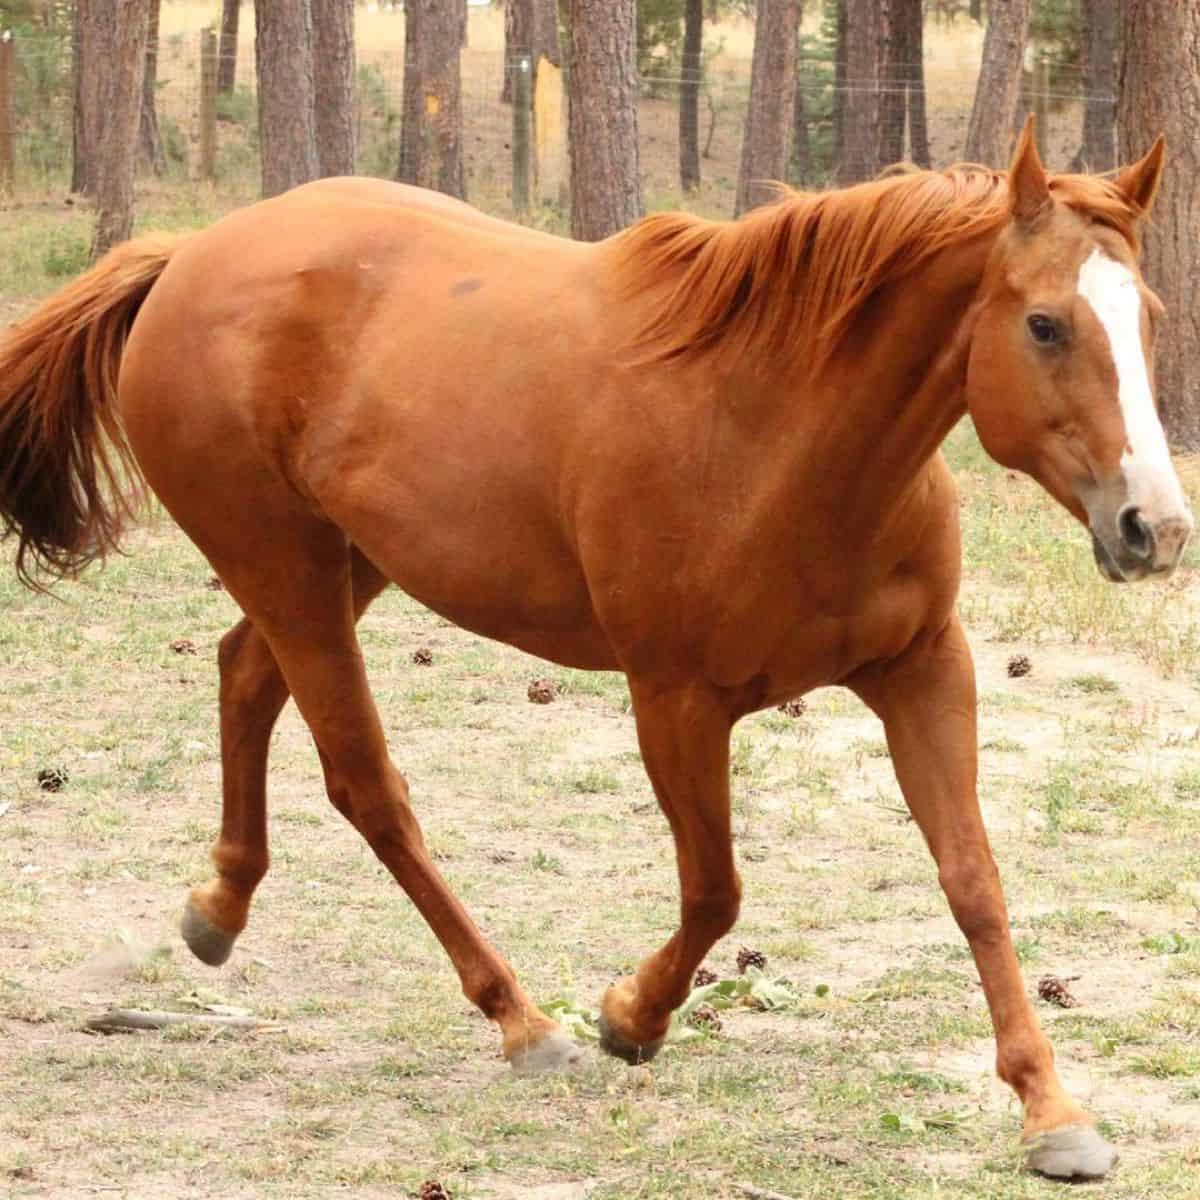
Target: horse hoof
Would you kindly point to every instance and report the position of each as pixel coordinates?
(1070, 1152)
(619, 1046)
(555, 1052)
(208, 943)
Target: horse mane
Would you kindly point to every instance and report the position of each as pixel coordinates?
(790, 279)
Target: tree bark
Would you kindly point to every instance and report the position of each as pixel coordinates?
(83, 111)
(283, 49)
(1098, 21)
(228, 52)
(150, 139)
(606, 186)
(530, 27)
(994, 113)
(333, 85)
(893, 83)
(431, 134)
(113, 51)
(1161, 41)
(838, 116)
(689, 95)
(772, 96)
(918, 128)
(868, 34)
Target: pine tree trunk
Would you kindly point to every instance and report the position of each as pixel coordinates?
(838, 115)
(114, 56)
(918, 128)
(150, 139)
(772, 96)
(228, 52)
(530, 27)
(1098, 22)
(431, 134)
(606, 186)
(333, 85)
(893, 84)
(801, 151)
(868, 35)
(283, 49)
(994, 113)
(83, 111)
(689, 95)
(1161, 41)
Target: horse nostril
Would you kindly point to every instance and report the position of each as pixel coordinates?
(1135, 533)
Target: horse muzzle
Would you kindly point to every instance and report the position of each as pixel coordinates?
(1132, 545)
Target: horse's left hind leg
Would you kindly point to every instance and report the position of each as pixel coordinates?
(253, 694)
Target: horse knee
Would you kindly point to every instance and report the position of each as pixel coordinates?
(716, 909)
(972, 888)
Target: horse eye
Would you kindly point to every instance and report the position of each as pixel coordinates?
(1042, 329)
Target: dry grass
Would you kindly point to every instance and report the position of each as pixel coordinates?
(875, 1083)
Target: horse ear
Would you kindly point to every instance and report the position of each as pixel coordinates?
(1138, 182)
(1028, 187)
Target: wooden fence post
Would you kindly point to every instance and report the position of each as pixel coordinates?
(208, 103)
(7, 136)
(521, 66)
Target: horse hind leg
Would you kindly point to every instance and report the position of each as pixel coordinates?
(252, 696)
(300, 600)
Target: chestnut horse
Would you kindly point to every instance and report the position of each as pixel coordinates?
(701, 453)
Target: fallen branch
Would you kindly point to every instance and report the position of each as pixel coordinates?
(119, 1020)
(757, 1193)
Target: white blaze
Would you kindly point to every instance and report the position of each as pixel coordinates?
(1112, 291)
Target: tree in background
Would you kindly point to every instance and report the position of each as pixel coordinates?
(606, 189)
(112, 60)
(333, 85)
(772, 95)
(867, 39)
(908, 55)
(690, 76)
(431, 132)
(228, 47)
(283, 53)
(530, 27)
(1099, 21)
(149, 138)
(994, 113)
(1161, 41)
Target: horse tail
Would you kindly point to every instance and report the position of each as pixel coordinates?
(68, 478)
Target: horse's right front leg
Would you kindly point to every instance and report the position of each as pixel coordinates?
(684, 737)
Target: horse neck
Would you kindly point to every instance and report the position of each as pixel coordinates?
(894, 390)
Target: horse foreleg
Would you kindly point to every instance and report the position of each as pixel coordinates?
(926, 700)
(684, 739)
(253, 694)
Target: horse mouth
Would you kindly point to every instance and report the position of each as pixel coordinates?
(1122, 568)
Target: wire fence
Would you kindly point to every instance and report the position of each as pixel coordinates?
(36, 101)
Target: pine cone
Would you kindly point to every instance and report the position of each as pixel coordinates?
(705, 1017)
(52, 779)
(750, 958)
(423, 656)
(183, 646)
(1019, 665)
(1055, 991)
(794, 708)
(704, 977)
(432, 1190)
(542, 691)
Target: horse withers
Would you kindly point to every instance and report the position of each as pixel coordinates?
(701, 453)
